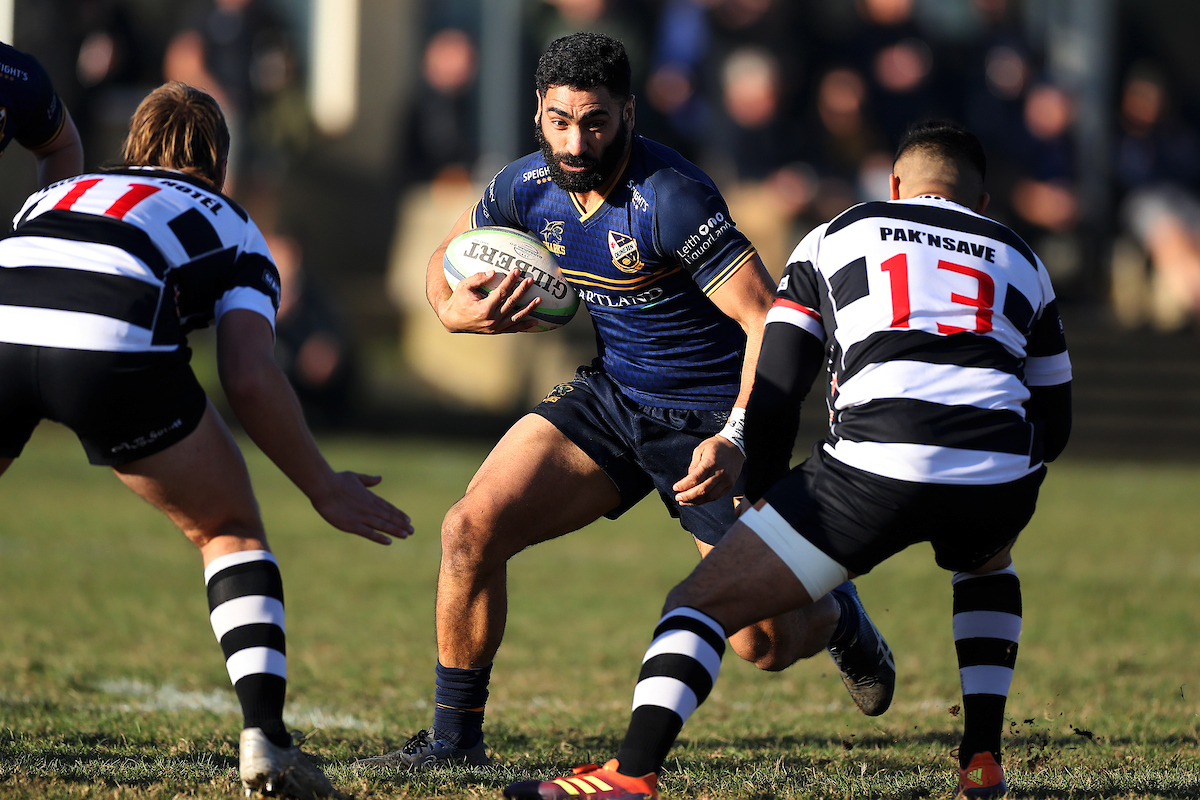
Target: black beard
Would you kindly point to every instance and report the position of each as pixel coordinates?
(599, 170)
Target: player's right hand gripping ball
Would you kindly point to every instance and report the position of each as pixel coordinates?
(506, 249)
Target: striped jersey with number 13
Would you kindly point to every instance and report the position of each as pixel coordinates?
(936, 321)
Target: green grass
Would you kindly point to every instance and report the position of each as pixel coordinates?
(111, 685)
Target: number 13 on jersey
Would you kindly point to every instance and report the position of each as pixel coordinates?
(982, 302)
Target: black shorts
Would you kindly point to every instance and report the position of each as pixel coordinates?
(122, 406)
(639, 447)
(860, 519)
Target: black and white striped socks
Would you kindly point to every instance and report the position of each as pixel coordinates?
(987, 629)
(678, 672)
(245, 607)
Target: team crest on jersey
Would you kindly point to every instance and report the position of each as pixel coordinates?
(552, 236)
(624, 249)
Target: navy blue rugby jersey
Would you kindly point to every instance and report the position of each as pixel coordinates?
(30, 111)
(645, 262)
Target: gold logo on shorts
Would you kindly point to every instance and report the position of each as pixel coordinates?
(558, 392)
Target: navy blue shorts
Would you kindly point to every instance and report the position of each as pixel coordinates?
(122, 406)
(639, 447)
(860, 519)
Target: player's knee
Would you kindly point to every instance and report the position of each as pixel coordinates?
(755, 645)
(466, 540)
(245, 527)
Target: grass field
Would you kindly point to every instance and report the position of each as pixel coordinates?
(111, 685)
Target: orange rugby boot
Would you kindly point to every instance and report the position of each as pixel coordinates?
(588, 782)
(983, 777)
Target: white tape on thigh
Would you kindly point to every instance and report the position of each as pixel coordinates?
(817, 572)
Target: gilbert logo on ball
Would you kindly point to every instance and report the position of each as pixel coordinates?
(506, 249)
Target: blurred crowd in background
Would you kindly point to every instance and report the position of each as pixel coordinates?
(793, 107)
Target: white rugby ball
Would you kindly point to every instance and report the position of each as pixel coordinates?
(506, 249)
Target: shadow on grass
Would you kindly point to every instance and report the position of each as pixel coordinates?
(1039, 765)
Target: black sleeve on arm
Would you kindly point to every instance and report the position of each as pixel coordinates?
(1049, 408)
(788, 364)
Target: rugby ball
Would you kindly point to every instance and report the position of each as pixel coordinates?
(506, 249)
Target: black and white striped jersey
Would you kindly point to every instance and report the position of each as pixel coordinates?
(130, 261)
(936, 321)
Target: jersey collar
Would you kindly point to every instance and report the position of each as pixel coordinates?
(584, 215)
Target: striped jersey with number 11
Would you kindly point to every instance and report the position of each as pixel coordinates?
(936, 320)
(130, 261)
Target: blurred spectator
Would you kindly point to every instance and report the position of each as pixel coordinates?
(846, 140)
(312, 344)
(241, 52)
(442, 131)
(1045, 196)
(996, 67)
(631, 21)
(777, 26)
(752, 152)
(674, 107)
(892, 53)
(694, 40)
(1158, 174)
(754, 133)
(112, 74)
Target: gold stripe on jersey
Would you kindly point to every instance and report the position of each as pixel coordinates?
(62, 123)
(727, 273)
(580, 278)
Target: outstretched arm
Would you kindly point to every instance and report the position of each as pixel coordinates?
(265, 404)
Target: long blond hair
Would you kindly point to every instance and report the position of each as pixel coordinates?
(179, 127)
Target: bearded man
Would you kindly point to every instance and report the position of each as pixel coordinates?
(678, 297)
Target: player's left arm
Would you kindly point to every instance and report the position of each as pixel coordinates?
(1048, 376)
(1049, 407)
(717, 462)
(62, 156)
(266, 405)
(43, 126)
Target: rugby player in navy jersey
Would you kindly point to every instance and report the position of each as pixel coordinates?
(678, 298)
(101, 279)
(32, 114)
(949, 387)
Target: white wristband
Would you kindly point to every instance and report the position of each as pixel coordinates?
(734, 427)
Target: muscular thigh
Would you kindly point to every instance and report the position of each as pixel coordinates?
(200, 482)
(535, 485)
(740, 582)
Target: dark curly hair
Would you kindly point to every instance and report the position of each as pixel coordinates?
(584, 61)
(947, 138)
